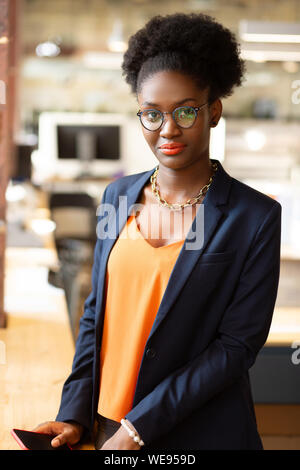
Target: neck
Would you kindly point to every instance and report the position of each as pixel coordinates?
(178, 185)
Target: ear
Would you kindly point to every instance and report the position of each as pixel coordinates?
(216, 109)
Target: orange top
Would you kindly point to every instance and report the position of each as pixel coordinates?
(137, 276)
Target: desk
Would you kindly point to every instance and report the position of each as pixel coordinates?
(275, 383)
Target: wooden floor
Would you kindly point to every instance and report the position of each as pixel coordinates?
(279, 426)
(36, 347)
(281, 442)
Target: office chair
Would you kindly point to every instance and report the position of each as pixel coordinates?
(75, 217)
(75, 238)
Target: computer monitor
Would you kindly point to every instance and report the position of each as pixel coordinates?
(88, 142)
(71, 145)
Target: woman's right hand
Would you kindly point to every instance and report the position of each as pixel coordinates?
(63, 433)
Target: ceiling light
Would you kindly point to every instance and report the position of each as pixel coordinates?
(255, 56)
(116, 41)
(255, 139)
(260, 52)
(267, 31)
(47, 49)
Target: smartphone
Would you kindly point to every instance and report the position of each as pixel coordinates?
(30, 440)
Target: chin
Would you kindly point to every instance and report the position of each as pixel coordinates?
(173, 163)
(176, 162)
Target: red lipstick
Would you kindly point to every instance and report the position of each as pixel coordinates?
(173, 148)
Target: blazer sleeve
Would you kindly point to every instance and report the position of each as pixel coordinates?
(76, 400)
(242, 333)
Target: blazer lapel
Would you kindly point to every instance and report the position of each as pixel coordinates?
(131, 197)
(122, 213)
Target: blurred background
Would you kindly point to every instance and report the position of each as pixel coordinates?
(68, 127)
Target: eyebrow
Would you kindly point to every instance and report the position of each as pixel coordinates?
(148, 103)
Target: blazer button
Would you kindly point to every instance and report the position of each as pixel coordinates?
(150, 353)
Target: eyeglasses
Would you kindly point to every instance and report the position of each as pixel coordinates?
(184, 117)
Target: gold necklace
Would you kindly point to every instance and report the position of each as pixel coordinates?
(189, 202)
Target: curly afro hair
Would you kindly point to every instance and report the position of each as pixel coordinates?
(194, 44)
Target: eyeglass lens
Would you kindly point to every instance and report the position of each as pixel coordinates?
(184, 116)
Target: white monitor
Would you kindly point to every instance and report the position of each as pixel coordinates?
(217, 140)
(75, 144)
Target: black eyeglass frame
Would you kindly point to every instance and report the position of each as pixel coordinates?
(162, 113)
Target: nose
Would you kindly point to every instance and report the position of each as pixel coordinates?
(169, 127)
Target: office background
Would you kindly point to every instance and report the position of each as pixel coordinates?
(61, 91)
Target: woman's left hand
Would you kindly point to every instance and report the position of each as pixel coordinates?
(120, 441)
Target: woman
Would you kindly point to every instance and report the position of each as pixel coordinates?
(175, 319)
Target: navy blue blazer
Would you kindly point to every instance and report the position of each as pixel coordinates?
(193, 389)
